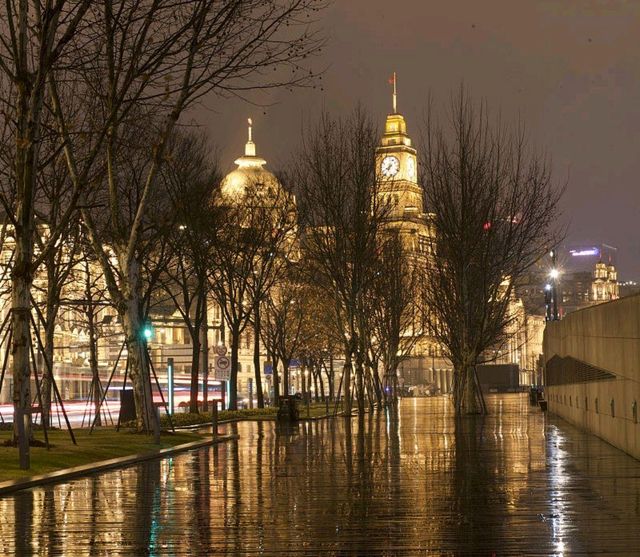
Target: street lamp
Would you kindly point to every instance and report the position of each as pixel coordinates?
(554, 274)
(547, 301)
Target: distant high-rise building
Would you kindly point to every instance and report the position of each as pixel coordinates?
(584, 257)
(587, 276)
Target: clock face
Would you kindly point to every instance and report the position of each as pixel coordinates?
(411, 168)
(390, 166)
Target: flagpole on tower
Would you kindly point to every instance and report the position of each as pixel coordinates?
(395, 93)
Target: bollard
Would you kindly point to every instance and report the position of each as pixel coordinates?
(214, 420)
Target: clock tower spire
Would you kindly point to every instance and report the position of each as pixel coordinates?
(394, 82)
(396, 164)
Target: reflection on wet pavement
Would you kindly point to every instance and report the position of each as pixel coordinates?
(417, 483)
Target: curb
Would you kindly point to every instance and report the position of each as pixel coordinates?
(228, 421)
(103, 465)
(318, 418)
(256, 419)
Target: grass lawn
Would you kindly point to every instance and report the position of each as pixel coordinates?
(102, 444)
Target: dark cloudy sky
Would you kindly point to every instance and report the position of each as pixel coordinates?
(569, 68)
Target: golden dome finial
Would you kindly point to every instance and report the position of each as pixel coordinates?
(250, 146)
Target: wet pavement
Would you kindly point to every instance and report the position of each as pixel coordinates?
(515, 482)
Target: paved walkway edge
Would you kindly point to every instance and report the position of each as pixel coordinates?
(258, 419)
(102, 465)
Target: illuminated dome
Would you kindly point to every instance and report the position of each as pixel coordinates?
(249, 174)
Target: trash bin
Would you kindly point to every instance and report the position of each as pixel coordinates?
(288, 410)
(127, 406)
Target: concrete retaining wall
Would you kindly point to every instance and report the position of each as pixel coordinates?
(606, 340)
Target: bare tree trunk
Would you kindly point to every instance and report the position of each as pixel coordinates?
(256, 355)
(28, 106)
(138, 366)
(390, 386)
(194, 385)
(93, 366)
(20, 308)
(322, 393)
(204, 342)
(47, 364)
(314, 370)
(233, 379)
(371, 395)
(347, 384)
(331, 378)
(471, 391)
(285, 376)
(376, 383)
(459, 387)
(276, 381)
(360, 382)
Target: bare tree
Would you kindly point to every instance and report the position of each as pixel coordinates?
(54, 190)
(282, 331)
(191, 174)
(342, 214)
(86, 296)
(495, 211)
(160, 58)
(34, 37)
(253, 243)
(394, 311)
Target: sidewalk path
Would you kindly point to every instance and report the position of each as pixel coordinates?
(515, 482)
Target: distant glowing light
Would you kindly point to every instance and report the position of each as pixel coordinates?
(584, 252)
(554, 274)
(547, 287)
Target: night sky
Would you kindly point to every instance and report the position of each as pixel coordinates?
(569, 68)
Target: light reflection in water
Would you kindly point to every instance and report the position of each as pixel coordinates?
(557, 457)
(404, 481)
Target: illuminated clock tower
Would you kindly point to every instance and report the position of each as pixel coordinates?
(397, 175)
(397, 181)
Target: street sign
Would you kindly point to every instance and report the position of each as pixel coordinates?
(220, 350)
(268, 368)
(223, 368)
